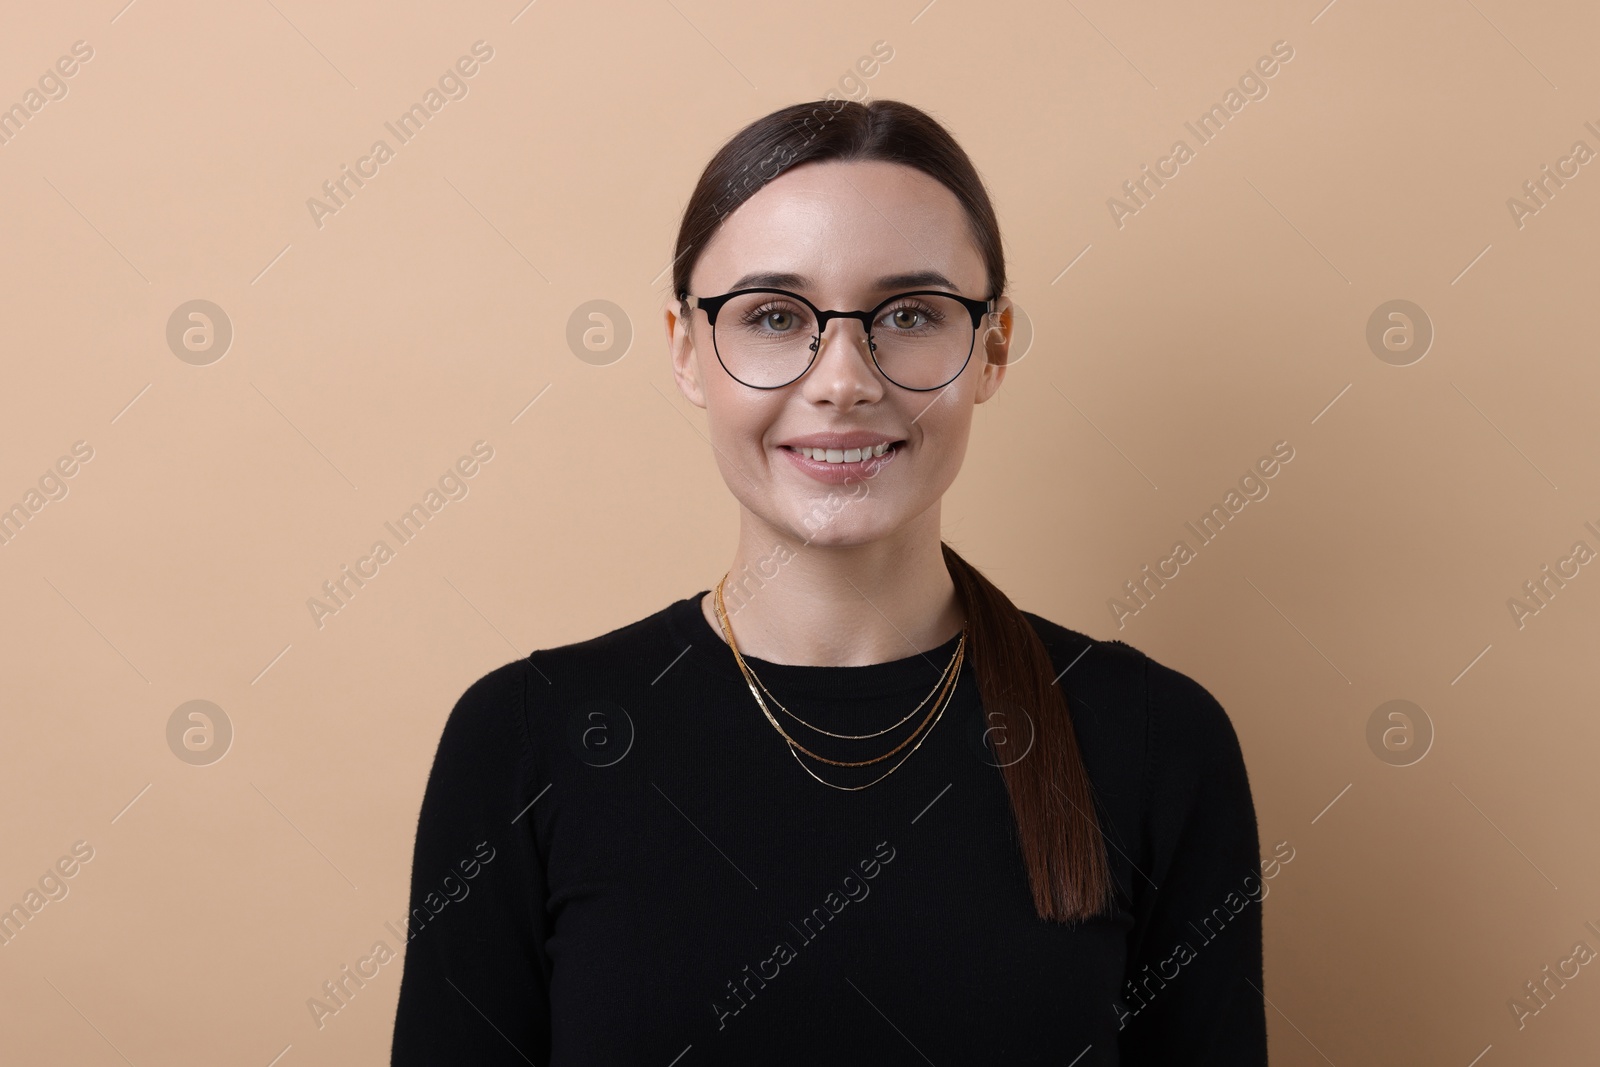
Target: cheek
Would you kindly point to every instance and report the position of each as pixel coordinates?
(944, 442)
(740, 420)
(946, 422)
(941, 465)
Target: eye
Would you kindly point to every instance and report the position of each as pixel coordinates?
(912, 315)
(775, 316)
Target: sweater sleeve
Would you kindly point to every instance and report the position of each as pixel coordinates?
(1194, 975)
(475, 985)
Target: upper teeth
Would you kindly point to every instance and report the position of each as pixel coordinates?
(847, 455)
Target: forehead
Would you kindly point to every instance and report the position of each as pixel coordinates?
(845, 227)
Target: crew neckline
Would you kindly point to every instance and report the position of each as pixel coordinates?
(911, 675)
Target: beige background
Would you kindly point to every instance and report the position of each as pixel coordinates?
(368, 354)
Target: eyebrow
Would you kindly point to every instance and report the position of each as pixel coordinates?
(917, 279)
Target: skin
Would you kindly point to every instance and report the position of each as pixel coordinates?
(872, 584)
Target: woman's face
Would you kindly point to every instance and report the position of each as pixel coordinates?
(850, 234)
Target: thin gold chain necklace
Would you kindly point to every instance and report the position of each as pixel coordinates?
(940, 687)
(727, 629)
(945, 689)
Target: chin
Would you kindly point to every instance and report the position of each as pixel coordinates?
(837, 531)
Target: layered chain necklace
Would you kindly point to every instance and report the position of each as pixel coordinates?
(941, 695)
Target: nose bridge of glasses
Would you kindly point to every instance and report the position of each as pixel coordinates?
(827, 319)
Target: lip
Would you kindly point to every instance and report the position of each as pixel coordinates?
(840, 473)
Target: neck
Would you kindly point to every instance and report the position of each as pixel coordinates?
(825, 605)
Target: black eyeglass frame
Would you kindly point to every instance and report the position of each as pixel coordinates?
(713, 304)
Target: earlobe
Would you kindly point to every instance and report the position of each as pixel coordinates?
(689, 382)
(993, 375)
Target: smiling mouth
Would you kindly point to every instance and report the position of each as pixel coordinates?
(845, 455)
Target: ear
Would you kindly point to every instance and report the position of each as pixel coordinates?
(994, 340)
(680, 343)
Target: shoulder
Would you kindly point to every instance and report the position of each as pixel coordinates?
(1061, 640)
(487, 719)
(1092, 672)
(610, 663)
(586, 665)
(1168, 753)
(1181, 719)
(512, 700)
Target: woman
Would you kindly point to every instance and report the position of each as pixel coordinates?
(850, 805)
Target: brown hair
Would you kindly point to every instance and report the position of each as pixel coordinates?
(1051, 798)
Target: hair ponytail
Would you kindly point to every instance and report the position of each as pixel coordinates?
(1051, 798)
(1058, 829)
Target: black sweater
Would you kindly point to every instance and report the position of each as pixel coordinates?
(618, 862)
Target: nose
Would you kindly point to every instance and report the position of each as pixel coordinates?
(842, 372)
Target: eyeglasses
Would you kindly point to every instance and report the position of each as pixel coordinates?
(768, 338)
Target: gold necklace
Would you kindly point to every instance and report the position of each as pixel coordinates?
(846, 737)
(754, 682)
(945, 688)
